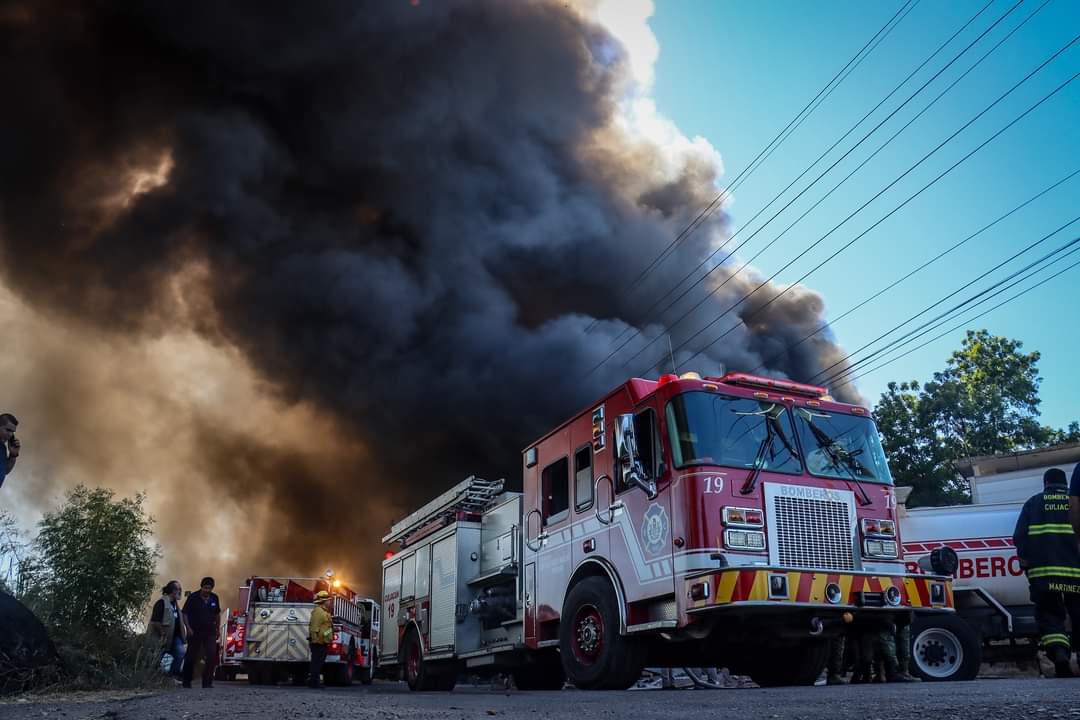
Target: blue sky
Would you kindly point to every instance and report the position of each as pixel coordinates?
(735, 73)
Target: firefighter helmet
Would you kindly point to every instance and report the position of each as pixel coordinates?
(322, 596)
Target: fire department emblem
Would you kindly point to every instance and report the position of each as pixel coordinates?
(654, 529)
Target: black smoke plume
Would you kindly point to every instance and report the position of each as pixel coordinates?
(405, 214)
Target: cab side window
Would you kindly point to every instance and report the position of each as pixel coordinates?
(555, 489)
(583, 478)
(649, 451)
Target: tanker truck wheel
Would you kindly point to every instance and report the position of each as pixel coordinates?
(945, 647)
(594, 655)
(799, 665)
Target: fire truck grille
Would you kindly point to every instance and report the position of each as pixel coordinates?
(813, 533)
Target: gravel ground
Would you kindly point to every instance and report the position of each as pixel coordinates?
(1035, 698)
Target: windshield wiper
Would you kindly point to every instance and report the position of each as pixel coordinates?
(778, 429)
(839, 457)
(759, 460)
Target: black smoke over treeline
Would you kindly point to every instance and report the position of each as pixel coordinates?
(404, 214)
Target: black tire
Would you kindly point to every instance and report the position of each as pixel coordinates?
(418, 674)
(544, 673)
(945, 648)
(594, 655)
(339, 674)
(367, 675)
(800, 665)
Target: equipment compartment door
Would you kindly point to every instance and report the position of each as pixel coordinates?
(391, 591)
(443, 592)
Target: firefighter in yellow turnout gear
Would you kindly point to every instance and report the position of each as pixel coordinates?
(1050, 555)
(320, 635)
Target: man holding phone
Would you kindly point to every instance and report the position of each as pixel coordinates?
(9, 443)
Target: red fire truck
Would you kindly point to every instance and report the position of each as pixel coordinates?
(270, 635)
(733, 521)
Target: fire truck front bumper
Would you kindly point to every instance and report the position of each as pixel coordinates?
(779, 587)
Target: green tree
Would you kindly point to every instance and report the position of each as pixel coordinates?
(985, 401)
(95, 563)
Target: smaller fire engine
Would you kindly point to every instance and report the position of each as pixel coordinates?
(270, 635)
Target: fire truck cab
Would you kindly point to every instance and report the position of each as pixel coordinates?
(728, 521)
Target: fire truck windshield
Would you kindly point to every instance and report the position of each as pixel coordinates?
(842, 446)
(710, 429)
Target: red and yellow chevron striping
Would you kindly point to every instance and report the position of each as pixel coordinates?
(740, 585)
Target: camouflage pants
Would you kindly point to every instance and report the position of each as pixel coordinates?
(903, 648)
(877, 646)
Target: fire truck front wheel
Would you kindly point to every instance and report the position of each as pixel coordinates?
(594, 654)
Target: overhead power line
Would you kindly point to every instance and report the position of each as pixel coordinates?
(788, 348)
(824, 376)
(851, 242)
(635, 332)
(777, 140)
(966, 322)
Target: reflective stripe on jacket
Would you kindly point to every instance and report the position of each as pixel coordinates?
(1045, 540)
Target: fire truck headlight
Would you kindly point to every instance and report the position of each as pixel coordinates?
(833, 593)
(880, 548)
(744, 539)
(937, 594)
(892, 596)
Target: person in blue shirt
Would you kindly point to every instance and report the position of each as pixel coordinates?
(9, 443)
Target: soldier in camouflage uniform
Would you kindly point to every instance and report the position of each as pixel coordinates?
(837, 670)
(879, 645)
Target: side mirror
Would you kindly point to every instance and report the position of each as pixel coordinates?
(626, 454)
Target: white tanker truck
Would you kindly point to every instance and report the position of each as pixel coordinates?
(995, 619)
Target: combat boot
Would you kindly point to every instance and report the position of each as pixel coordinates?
(901, 677)
(835, 679)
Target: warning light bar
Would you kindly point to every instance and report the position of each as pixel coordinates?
(773, 384)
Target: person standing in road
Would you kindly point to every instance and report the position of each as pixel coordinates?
(9, 443)
(1047, 547)
(203, 614)
(167, 625)
(320, 634)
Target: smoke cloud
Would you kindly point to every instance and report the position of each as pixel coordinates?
(293, 268)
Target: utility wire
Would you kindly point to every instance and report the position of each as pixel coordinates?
(754, 164)
(637, 332)
(954, 293)
(966, 322)
(912, 272)
(648, 312)
(851, 242)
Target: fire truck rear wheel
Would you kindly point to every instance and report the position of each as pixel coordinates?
(594, 654)
(341, 674)
(420, 675)
(799, 665)
(367, 675)
(945, 647)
